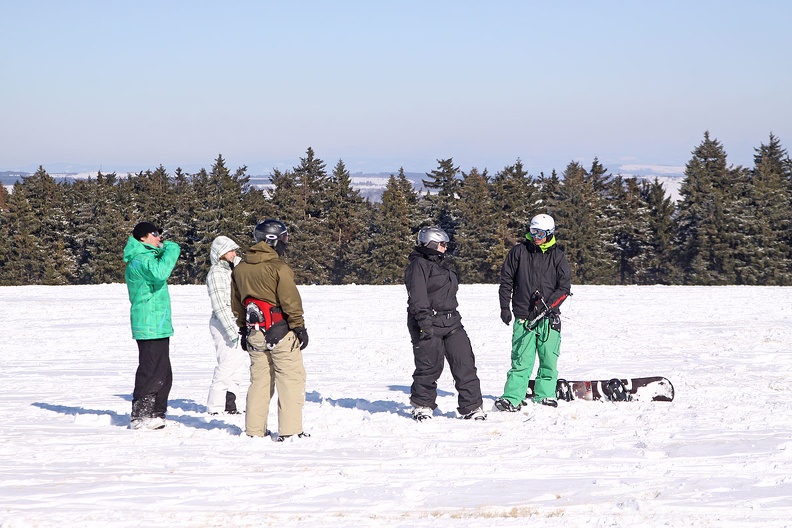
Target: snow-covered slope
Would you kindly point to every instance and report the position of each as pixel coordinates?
(719, 455)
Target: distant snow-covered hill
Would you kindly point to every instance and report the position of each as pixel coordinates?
(670, 176)
(371, 185)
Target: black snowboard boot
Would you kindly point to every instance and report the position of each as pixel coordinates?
(230, 406)
(143, 412)
(143, 407)
(504, 405)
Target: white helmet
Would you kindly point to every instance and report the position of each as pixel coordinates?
(431, 237)
(542, 226)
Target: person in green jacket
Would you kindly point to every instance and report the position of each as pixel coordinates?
(149, 264)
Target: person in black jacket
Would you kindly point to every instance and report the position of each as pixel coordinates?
(436, 330)
(535, 277)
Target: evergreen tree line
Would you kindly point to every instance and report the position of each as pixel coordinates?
(731, 225)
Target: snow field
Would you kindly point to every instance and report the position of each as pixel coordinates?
(719, 455)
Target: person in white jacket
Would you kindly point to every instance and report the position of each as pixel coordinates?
(233, 364)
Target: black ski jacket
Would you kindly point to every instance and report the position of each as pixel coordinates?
(431, 290)
(528, 269)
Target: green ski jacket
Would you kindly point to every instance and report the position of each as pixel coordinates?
(147, 272)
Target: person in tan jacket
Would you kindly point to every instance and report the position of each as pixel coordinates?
(264, 297)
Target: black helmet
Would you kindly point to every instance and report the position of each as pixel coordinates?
(271, 231)
(431, 237)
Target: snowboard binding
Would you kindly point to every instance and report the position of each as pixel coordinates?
(564, 390)
(615, 391)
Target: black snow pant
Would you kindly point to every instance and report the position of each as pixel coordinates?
(153, 379)
(453, 344)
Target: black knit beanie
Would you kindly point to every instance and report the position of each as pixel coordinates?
(143, 229)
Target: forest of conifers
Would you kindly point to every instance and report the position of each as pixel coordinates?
(731, 225)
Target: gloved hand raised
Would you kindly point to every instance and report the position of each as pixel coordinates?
(302, 336)
(506, 315)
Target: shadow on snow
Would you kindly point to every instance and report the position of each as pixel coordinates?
(379, 406)
(122, 420)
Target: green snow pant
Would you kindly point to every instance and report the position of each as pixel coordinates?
(544, 342)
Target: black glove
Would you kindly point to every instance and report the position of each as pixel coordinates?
(427, 332)
(506, 315)
(243, 338)
(302, 336)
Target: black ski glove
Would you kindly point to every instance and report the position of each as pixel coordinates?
(427, 333)
(243, 338)
(506, 315)
(302, 336)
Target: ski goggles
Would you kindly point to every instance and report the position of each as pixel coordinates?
(540, 233)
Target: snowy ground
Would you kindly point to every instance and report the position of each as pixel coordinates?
(719, 455)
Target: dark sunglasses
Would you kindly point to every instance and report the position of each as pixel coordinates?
(155, 233)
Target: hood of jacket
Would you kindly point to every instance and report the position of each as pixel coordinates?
(220, 246)
(426, 253)
(135, 247)
(260, 252)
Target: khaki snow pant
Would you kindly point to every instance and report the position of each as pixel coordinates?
(280, 369)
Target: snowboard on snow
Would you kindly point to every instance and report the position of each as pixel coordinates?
(654, 388)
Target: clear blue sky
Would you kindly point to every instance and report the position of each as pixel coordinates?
(132, 85)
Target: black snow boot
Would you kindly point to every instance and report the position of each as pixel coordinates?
(230, 406)
(504, 405)
(143, 407)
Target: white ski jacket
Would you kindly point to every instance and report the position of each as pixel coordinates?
(218, 282)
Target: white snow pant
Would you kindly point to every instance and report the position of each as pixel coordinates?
(233, 366)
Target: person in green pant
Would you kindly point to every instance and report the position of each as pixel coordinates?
(150, 262)
(535, 277)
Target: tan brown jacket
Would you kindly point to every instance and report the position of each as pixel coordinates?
(263, 275)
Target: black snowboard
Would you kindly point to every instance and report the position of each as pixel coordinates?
(655, 388)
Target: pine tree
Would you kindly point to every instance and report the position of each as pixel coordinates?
(708, 232)
(348, 217)
(97, 229)
(4, 229)
(283, 198)
(630, 217)
(218, 196)
(20, 242)
(440, 206)
(393, 232)
(767, 257)
(310, 251)
(151, 196)
(186, 228)
(3, 198)
(660, 266)
(515, 199)
(586, 239)
(477, 232)
(37, 252)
